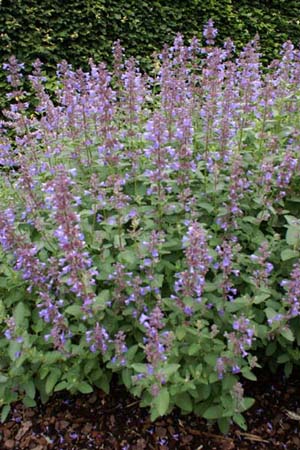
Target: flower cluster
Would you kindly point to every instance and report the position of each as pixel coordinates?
(261, 275)
(226, 253)
(75, 261)
(190, 283)
(292, 297)
(156, 345)
(120, 348)
(97, 339)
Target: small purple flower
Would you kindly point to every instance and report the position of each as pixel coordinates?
(190, 283)
(261, 275)
(210, 32)
(120, 348)
(99, 339)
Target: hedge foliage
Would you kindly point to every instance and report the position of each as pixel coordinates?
(78, 29)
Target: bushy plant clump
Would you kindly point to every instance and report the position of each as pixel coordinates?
(149, 227)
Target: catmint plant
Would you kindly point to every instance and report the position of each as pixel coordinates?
(149, 227)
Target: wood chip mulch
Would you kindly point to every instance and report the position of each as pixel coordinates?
(99, 421)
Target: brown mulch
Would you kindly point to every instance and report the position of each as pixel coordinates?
(115, 421)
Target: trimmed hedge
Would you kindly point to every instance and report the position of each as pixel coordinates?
(78, 29)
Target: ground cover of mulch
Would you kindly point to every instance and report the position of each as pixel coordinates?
(115, 421)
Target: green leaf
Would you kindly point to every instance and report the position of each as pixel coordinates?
(162, 401)
(96, 375)
(4, 412)
(126, 377)
(20, 313)
(293, 235)
(228, 382)
(224, 424)
(119, 241)
(154, 414)
(248, 402)
(29, 388)
(213, 412)
(103, 298)
(74, 310)
(184, 402)
(260, 298)
(84, 388)
(54, 357)
(288, 368)
(210, 360)
(287, 334)
(128, 257)
(169, 369)
(291, 220)
(103, 383)
(270, 312)
(44, 372)
(131, 352)
(180, 333)
(61, 386)
(213, 377)
(240, 421)
(237, 305)
(89, 366)
(194, 349)
(204, 391)
(13, 349)
(248, 374)
(289, 254)
(285, 357)
(207, 206)
(3, 379)
(140, 368)
(271, 348)
(52, 379)
(29, 402)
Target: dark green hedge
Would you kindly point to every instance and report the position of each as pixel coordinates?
(77, 29)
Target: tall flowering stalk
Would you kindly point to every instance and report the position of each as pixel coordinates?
(159, 154)
(98, 339)
(190, 283)
(287, 168)
(292, 297)
(118, 65)
(261, 276)
(226, 120)
(184, 163)
(225, 264)
(133, 94)
(249, 85)
(212, 83)
(75, 262)
(238, 186)
(156, 346)
(173, 79)
(284, 77)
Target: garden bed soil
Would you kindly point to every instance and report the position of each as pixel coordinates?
(115, 421)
